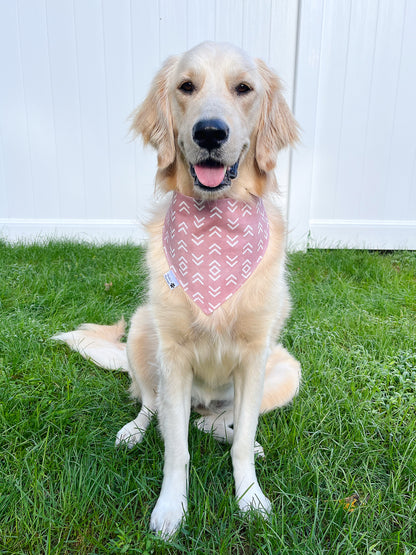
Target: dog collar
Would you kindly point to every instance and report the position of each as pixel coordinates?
(213, 247)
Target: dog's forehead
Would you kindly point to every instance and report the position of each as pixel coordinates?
(226, 58)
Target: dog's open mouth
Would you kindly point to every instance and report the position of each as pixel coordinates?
(211, 175)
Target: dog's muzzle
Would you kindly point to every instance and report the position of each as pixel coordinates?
(210, 174)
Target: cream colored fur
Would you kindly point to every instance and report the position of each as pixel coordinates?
(226, 365)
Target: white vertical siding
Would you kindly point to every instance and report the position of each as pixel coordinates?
(305, 104)
(72, 72)
(355, 84)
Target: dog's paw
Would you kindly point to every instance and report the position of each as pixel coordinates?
(167, 517)
(254, 500)
(129, 435)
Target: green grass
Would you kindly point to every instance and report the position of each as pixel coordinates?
(64, 488)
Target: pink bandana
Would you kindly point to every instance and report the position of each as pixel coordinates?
(213, 247)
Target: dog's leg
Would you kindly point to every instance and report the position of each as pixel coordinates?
(133, 432)
(144, 387)
(248, 390)
(142, 348)
(174, 408)
(220, 426)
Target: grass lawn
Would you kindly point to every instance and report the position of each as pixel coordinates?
(64, 488)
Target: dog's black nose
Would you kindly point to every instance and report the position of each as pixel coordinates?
(210, 133)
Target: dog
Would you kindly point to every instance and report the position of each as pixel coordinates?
(217, 297)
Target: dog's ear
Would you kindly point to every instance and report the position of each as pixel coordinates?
(277, 127)
(153, 118)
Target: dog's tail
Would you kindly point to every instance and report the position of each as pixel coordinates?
(100, 344)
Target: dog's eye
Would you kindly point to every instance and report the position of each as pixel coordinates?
(188, 87)
(243, 88)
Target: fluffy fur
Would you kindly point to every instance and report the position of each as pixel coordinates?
(226, 365)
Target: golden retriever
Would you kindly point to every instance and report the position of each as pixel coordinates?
(217, 119)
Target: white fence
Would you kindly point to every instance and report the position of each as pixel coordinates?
(354, 180)
(73, 70)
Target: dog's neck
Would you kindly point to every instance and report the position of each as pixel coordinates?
(213, 247)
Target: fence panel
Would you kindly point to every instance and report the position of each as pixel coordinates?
(73, 71)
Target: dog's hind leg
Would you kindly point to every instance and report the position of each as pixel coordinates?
(141, 352)
(133, 432)
(221, 428)
(281, 380)
(281, 383)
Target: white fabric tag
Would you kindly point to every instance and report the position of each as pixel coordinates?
(171, 279)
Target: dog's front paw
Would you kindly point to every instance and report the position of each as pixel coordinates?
(129, 435)
(167, 517)
(254, 500)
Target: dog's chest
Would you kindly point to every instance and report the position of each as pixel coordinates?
(213, 247)
(212, 366)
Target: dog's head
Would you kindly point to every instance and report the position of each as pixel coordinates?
(217, 119)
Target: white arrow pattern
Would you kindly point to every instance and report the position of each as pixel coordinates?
(217, 245)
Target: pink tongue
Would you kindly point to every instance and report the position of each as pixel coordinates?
(210, 177)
